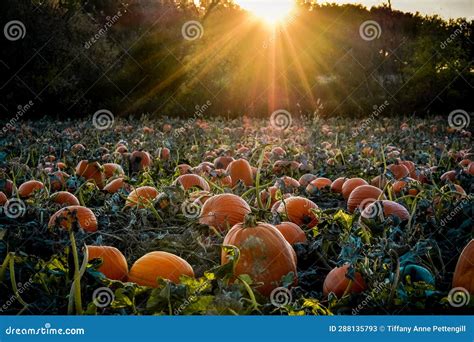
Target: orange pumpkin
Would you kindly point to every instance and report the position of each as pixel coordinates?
(221, 178)
(306, 179)
(464, 272)
(399, 171)
(223, 211)
(401, 185)
(470, 168)
(142, 197)
(140, 160)
(91, 171)
(265, 255)
(6, 186)
(287, 184)
(57, 180)
(3, 198)
(64, 198)
(292, 232)
(449, 176)
(240, 170)
(350, 184)
(112, 169)
(146, 270)
(298, 210)
(319, 184)
(222, 162)
(28, 188)
(410, 166)
(115, 185)
(72, 216)
(114, 265)
(184, 169)
(337, 282)
(336, 186)
(189, 181)
(362, 196)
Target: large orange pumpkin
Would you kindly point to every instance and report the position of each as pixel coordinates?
(115, 185)
(298, 210)
(464, 271)
(28, 188)
(224, 211)
(146, 270)
(91, 171)
(189, 181)
(114, 265)
(306, 179)
(362, 196)
(265, 255)
(142, 197)
(74, 216)
(350, 184)
(399, 170)
(223, 162)
(319, 184)
(64, 198)
(240, 170)
(140, 160)
(336, 186)
(337, 282)
(112, 169)
(292, 232)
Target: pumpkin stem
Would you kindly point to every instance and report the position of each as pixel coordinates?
(77, 275)
(250, 221)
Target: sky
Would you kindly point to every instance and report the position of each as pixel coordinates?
(444, 8)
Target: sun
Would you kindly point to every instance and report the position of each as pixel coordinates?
(270, 11)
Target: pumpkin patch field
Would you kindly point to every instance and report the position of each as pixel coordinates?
(236, 217)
